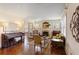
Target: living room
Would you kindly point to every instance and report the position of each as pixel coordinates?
(21, 21)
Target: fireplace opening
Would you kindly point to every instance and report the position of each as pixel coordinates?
(45, 33)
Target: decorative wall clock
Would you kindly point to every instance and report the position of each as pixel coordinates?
(74, 24)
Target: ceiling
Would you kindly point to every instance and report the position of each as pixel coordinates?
(10, 11)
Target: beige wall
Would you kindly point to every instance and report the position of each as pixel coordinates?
(72, 47)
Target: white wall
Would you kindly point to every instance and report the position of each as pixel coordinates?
(63, 25)
(31, 10)
(1, 31)
(72, 47)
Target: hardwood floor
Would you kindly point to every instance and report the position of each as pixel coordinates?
(13, 50)
(19, 49)
(58, 51)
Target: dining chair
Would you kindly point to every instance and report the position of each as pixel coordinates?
(37, 41)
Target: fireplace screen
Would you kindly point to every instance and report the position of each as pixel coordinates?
(74, 24)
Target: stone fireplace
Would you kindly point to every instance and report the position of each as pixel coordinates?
(45, 28)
